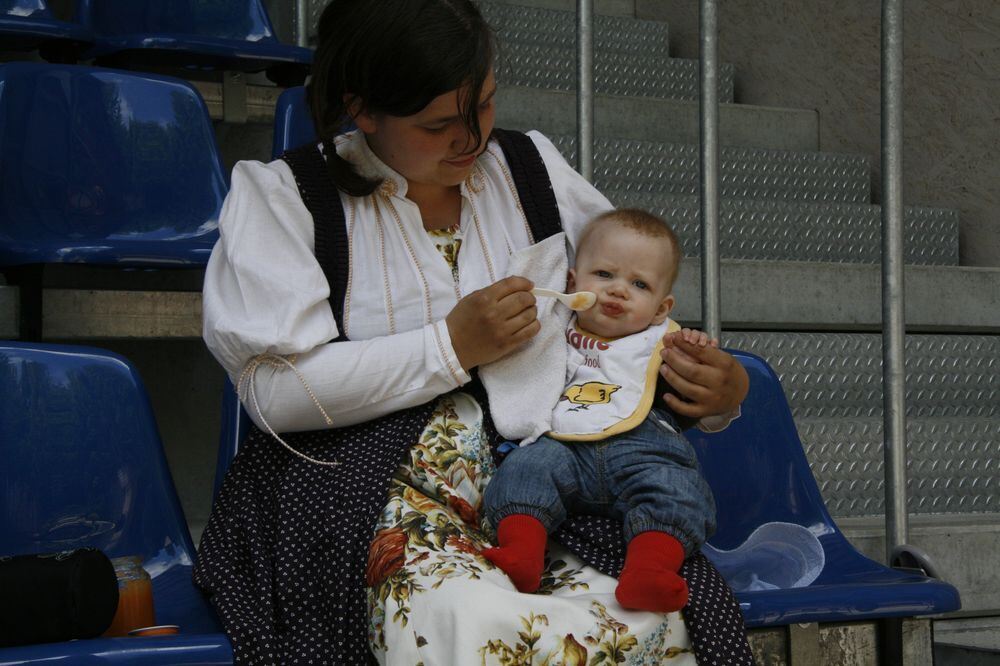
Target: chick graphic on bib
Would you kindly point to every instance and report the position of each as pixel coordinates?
(590, 393)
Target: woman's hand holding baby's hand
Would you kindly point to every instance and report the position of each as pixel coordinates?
(490, 323)
(711, 381)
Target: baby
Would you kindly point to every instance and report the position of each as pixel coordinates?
(611, 450)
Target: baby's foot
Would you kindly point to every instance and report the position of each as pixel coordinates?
(658, 590)
(523, 569)
(521, 553)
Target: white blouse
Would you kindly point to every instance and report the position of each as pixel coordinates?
(266, 293)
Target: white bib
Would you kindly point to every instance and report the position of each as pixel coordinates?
(611, 388)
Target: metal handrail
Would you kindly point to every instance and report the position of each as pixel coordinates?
(585, 89)
(893, 306)
(302, 22)
(893, 322)
(709, 151)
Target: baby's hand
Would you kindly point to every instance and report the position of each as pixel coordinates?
(699, 338)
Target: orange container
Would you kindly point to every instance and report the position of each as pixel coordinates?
(135, 597)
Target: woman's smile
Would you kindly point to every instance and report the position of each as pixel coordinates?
(462, 163)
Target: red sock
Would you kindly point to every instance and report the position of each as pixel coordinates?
(649, 580)
(521, 554)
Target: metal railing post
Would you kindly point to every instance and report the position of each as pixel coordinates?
(585, 88)
(302, 22)
(893, 323)
(709, 138)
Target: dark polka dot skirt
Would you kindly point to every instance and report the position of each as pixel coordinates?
(284, 553)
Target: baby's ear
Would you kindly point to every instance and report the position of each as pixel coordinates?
(666, 305)
(571, 281)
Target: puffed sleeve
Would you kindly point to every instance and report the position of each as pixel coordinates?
(265, 293)
(264, 290)
(579, 201)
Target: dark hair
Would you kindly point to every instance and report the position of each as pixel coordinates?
(396, 56)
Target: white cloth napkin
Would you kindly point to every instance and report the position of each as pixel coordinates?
(524, 386)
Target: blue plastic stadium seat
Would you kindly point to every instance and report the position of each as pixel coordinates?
(105, 167)
(83, 467)
(293, 125)
(223, 34)
(26, 25)
(759, 474)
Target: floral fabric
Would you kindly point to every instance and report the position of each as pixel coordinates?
(426, 555)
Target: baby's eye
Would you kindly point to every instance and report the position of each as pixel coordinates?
(602, 274)
(640, 284)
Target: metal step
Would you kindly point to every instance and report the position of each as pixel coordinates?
(792, 231)
(840, 376)
(551, 27)
(971, 642)
(554, 112)
(537, 49)
(659, 168)
(833, 385)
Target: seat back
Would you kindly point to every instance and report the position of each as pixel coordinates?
(222, 35)
(244, 20)
(27, 25)
(235, 425)
(293, 125)
(33, 9)
(756, 467)
(83, 466)
(759, 474)
(107, 167)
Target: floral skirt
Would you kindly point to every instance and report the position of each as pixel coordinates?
(433, 599)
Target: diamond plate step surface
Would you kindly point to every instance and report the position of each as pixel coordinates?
(537, 49)
(658, 168)
(951, 464)
(833, 385)
(642, 118)
(792, 231)
(840, 375)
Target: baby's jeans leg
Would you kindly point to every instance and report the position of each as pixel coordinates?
(538, 480)
(654, 475)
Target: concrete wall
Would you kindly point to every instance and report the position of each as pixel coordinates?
(825, 55)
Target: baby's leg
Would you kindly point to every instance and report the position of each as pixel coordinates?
(525, 501)
(667, 510)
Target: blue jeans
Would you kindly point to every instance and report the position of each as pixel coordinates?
(648, 478)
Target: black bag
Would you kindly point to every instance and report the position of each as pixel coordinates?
(56, 596)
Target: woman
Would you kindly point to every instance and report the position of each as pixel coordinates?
(352, 294)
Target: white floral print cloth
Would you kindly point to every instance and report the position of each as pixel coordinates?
(425, 554)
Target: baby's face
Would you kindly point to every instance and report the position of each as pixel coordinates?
(628, 272)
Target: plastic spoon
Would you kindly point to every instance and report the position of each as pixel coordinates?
(581, 300)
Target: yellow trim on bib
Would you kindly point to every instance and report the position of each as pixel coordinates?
(641, 410)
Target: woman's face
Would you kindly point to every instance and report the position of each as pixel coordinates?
(432, 148)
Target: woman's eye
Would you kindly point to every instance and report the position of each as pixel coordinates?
(437, 129)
